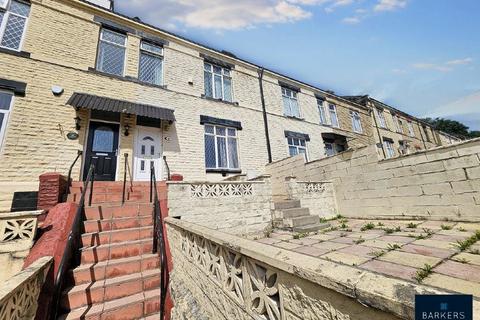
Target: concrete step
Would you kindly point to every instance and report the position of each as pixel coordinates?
(286, 204)
(294, 213)
(108, 211)
(301, 221)
(135, 306)
(110, 289)
(311, 227)
(115, 236)
(91, 272)
(97, 225)
(118, 250)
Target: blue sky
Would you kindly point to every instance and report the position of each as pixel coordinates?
(421, 56)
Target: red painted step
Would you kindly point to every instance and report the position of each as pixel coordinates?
(115, 236)
(116, 250)
(118, 223)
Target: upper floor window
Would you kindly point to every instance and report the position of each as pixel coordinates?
(5, 107)
(389, 149)
(356, 122)
(151, 63)
(332, 109)
(221, 149)
(297, 146)
(398, 124)
(427, 136)
(13, 19)
(111, 52)
(290, 103)
(218, 82)
(381, 118)
(411, 132)
(321, 111)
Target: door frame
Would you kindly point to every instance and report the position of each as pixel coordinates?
(135, 144)
(85, 145)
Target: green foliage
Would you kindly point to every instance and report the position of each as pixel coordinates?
(367, 226)
(423, 273)
(393, 246)
(452, 127)
(412, 225)
(300, 235)
(446, 227)
(380, 224)
(377, 254)
(359, 240)
(467, 243)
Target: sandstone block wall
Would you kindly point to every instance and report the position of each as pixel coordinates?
(439, 183)
(318, 197)
(234, 207)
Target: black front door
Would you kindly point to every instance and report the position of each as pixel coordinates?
(102, 147)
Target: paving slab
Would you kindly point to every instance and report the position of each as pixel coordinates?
(322, 237)
(470, 258)
(330, 245)
(391, 269)
(311, 251)
(409, 259)
(359, 250)
(287, 245)
(449, 237)
(363, 235)
(396, 239)
(350, 259)
(454, 284)
(459, 270)
(468, 226)
(269, 240)
(379, 244)
(281, 236)
(435, 244)
(427, 251)
(304, 241)
(344, 240)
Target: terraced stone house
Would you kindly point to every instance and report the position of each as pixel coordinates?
(77, 76)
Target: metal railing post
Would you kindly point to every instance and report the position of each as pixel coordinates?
(124, 178)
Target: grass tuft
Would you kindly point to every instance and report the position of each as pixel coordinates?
(467, 243)
(446, 227)
(367, 226)
(423, 273)
(412, 225)
(377, 254)
(300, 235)
(359, 240)
(393, 246)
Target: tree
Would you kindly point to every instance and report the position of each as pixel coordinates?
(452, 127)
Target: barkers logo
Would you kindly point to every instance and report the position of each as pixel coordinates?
(443, 307)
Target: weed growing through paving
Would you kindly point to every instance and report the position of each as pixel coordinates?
(423, 273)
(359, 240)
(389, 230)
(421, 236)
(367, 226)
(446, 227)
(462, 229)
(339, 216)
(343, 225)
(393, 246)
(429, 232)
(323, 219)
(377, 254)
(300, 235)
(412, 225)
(380, 224)
(467, 243)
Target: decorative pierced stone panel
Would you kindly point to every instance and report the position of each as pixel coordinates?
(17, 229)
(314, 187)
(214, 190)
(253, 285)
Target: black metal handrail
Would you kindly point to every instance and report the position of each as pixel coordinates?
(159, 243)
(125, 170)
(70, 255)
(69, 177)
(167, 166)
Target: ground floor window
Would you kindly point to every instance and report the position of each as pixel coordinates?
(221, 147)
(5, 107)
(332, 149)
(297, 146)
(389, 149)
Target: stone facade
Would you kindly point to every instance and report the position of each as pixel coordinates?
(36, 138)
(236, 207)
(439, 183)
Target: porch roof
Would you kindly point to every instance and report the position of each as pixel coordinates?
(89, 101)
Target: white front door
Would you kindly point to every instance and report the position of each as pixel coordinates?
(148, 149)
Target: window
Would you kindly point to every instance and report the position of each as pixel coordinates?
(356, 122)
(13, 19)
(5, 107)
(221, 150)
(332, 109)
(297, 146)
(411, 132)
(290, 103)
(321, 111)
(381, 118)
(427, 136)
(151, 63)
(389, 149)
(403, 147)
(218, 82)
(398, 124)
(111, 52)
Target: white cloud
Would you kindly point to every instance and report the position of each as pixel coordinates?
(443, 67)
(216, 14)
(390, 5)
(352, 20)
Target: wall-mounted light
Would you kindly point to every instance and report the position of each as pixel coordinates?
(57, 90)
(77, 123)
(127, 130)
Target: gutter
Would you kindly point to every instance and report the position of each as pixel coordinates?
(264, 112)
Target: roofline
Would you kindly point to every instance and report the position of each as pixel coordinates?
(216, 51)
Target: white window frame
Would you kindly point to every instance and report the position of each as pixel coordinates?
(411, 131)
(153, 54)
(396, 121)
(381, 118)
(6, 15)
(389, 149)
(6, 118)
(298, 147)
(100, 40)
(425, 131)
(215, 136)
(290, 96)
(322, 111)
(356, 122)
(332, 109)
(225, 73)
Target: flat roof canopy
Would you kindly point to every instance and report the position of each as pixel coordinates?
(89, 101)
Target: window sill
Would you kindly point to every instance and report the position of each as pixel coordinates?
(22, 54)
(224, 171)
(219, 100)
(126, 78)
(294, 117)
